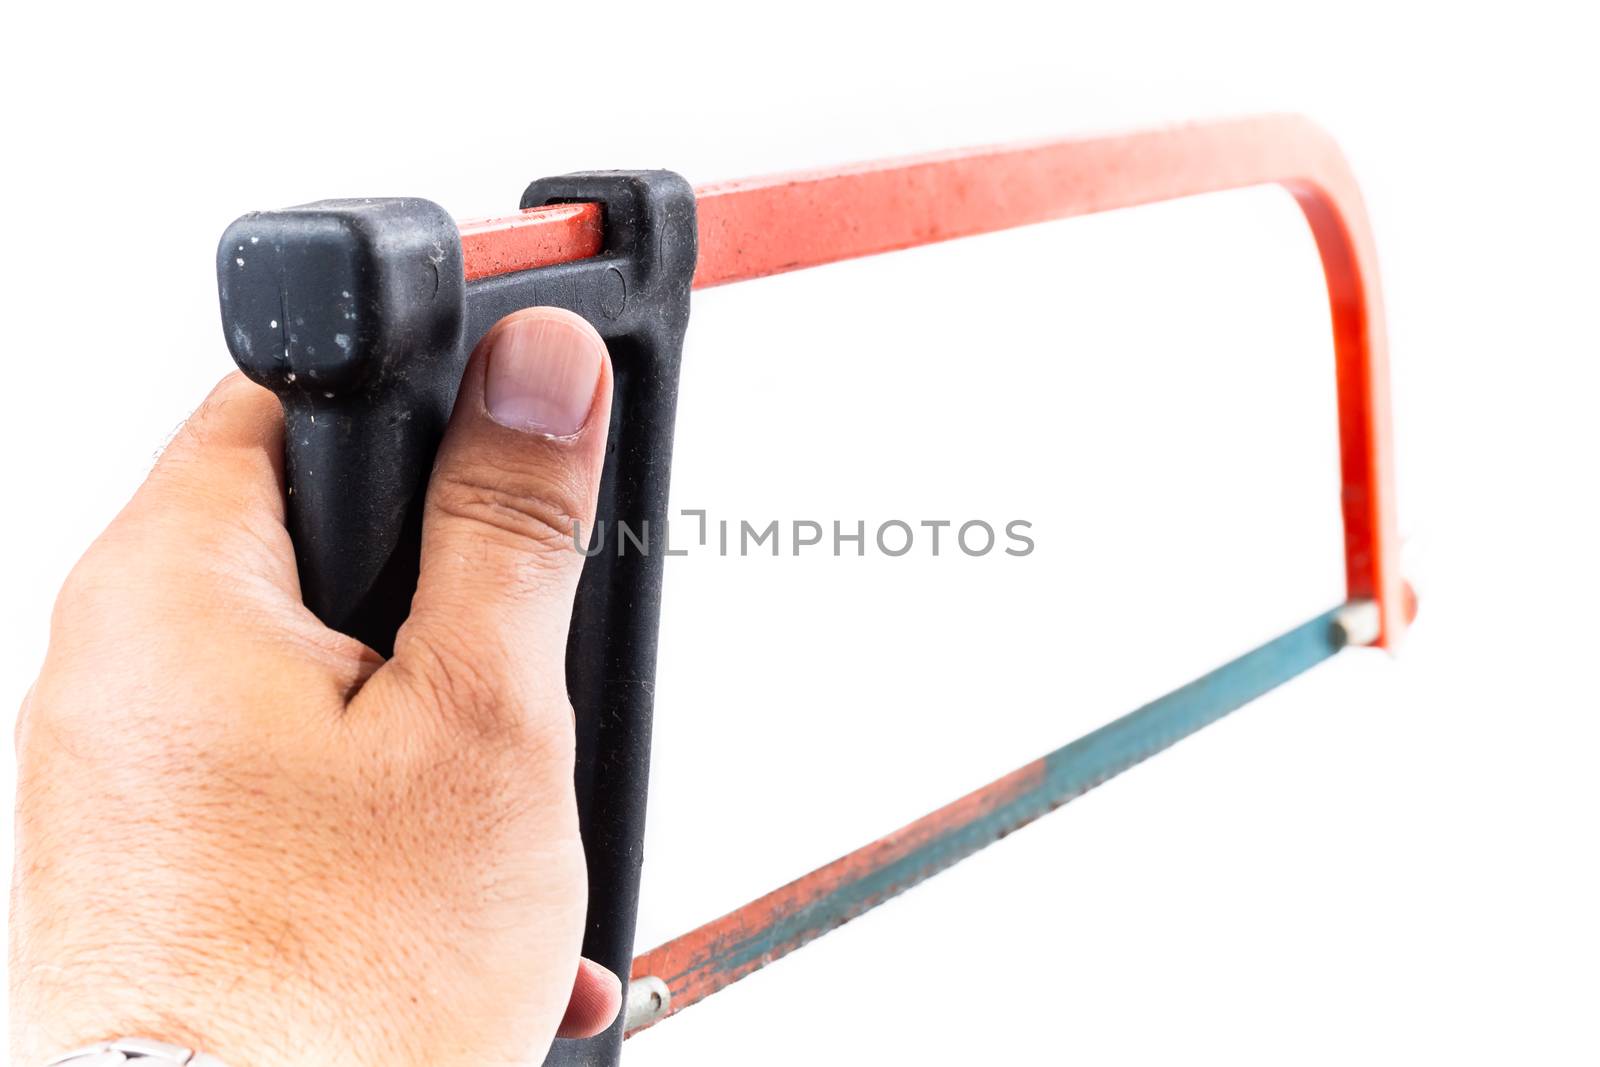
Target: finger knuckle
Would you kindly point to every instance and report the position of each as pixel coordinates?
(539, 512)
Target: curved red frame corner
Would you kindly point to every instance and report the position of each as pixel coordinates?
(762, 226)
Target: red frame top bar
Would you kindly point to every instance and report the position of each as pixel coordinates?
(762, 226)
(537, 237)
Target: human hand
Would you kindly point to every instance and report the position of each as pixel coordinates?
(240, 831)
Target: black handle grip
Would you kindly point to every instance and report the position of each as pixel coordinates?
(356, 314)
(351, 311)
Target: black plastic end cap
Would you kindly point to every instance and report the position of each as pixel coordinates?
(323, 297)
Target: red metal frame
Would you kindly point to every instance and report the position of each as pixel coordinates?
(538, 237)
(762, 226)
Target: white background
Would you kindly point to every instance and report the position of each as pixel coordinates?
(1389, 860)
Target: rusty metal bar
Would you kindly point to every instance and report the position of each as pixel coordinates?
(716, 955)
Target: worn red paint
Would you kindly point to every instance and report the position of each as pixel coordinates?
(761, 226)
(537, 237)
(691, 965)
(705, 960)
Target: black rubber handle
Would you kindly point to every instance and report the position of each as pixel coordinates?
(352, 312)
(356, 314)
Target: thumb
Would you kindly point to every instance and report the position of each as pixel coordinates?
(516, 476)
